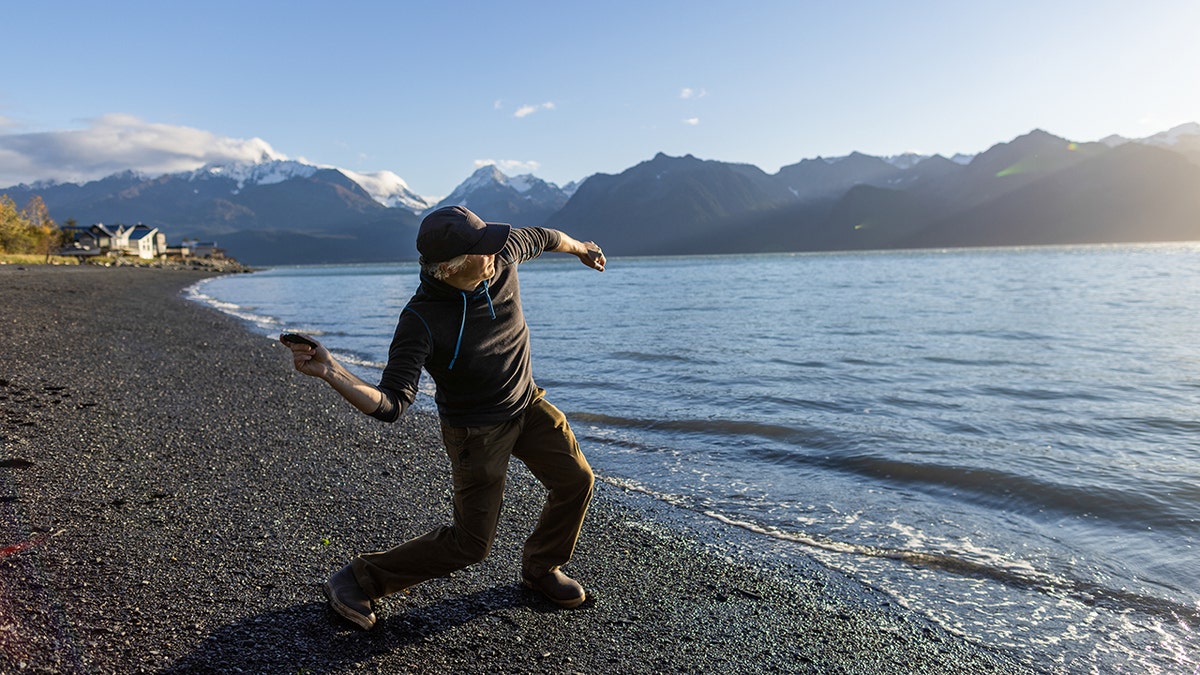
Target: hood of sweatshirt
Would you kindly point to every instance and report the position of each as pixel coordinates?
(441, 290)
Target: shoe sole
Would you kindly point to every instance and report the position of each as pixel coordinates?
(343, 610)
(568, 604)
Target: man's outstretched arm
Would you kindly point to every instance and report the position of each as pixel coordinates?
(587, 251)
(318, 362)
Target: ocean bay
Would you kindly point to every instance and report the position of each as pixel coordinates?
(1001, 439)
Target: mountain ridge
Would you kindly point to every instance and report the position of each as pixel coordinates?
(283, 211)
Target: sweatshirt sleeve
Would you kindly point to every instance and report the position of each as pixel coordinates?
(410, 347)
(527, 243)
(390, 408)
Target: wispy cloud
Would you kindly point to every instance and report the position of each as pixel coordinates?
(527, 110)
(117, 142)
(692, 121)
(688, 92)
(510, 167)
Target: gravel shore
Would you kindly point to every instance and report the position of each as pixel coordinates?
(172, 494)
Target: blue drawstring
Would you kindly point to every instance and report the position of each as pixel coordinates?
(488, 294)
(462, 326)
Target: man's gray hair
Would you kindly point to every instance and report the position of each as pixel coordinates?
(446, 268)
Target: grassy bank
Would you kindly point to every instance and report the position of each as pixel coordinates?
(199, 264)
(36, 259)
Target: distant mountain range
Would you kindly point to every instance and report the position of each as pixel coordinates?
(1036, 189)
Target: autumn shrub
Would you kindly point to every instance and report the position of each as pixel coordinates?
(29, 230)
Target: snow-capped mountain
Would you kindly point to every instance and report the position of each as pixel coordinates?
(490, 177)
(485, 177)
(906, 160)
(909, 160)
(263, 173)
(389, 189)
(1182, 133)
(1183, 139)
(524, 200)
(384, 187)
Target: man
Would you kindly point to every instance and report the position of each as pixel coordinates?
(465, 327)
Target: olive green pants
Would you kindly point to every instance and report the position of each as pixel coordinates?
(541, 438)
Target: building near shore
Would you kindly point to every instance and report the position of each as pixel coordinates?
(140, 240)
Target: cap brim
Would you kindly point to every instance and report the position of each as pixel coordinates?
(493, 239)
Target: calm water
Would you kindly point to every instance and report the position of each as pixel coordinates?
(1007, 441)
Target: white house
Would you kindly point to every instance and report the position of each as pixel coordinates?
(140, 240)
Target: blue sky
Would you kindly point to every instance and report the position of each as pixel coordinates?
(430, 90)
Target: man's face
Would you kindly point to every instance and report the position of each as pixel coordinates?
(477, 268)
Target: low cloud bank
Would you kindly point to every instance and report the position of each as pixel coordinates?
(117, 142)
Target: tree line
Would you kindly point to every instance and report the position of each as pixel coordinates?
(29, 230)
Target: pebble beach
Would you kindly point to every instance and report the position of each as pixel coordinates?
(172, 495)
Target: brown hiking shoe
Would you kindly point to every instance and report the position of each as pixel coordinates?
(557, 587)
(347, 598)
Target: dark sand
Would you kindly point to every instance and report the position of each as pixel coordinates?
(176, 494)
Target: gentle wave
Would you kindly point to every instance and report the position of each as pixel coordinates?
(1010, 572)
(264, 323)
(1016, 574)
(811, 438)
(973, 363)
(1127, 507)
(650, 358)
(261, 321)
(1156, 426)
(359, 360)
(1041, 394)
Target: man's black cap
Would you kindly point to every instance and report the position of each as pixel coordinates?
(452, 231)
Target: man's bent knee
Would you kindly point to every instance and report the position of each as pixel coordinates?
(470, 549)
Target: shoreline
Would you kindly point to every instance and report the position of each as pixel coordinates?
(218, 265)
(178, 493)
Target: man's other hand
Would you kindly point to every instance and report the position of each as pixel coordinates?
(314, 361)
(593, 256)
